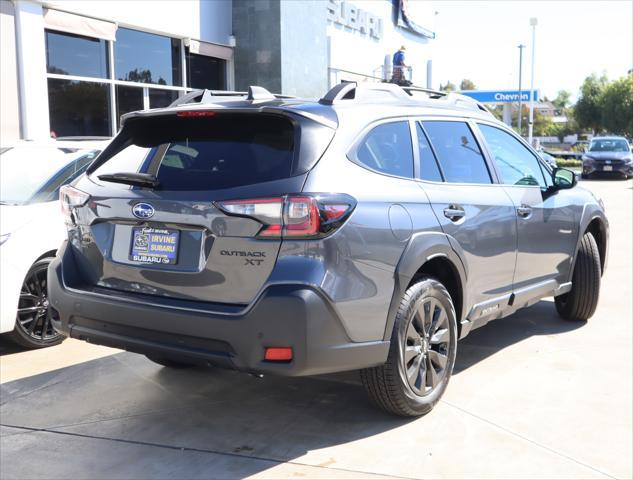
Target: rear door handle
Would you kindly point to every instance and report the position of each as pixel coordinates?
(454, 213)
(524, 211)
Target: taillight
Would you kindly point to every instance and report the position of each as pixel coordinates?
(70, 198)
(294, 216)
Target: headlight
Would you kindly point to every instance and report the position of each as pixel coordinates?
(4, 238)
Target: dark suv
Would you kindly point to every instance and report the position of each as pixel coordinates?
(368, 230)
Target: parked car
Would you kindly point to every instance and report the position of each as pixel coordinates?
(369, 230)
(608, 155)
(31, 230)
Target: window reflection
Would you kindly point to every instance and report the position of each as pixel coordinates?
(68, 54)
(78, 108)
(147, 58)
(128, 99)
(205, 72)
(161, 98)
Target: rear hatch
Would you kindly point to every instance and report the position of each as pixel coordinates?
(159, 221)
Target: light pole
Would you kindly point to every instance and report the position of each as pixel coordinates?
(533, 23)
(521, 47)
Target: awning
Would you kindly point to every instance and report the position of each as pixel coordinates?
(210, 49)
(79, 25)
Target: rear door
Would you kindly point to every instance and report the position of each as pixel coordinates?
(173, 240)
(546, 221)
(476, 214)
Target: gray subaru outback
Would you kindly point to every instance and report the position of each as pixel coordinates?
(369, 230)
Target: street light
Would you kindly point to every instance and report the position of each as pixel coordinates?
(521, 47)
(533, 23)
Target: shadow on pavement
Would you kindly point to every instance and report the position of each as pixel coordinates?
(127, 398)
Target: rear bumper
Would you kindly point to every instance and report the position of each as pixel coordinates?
(297, 316)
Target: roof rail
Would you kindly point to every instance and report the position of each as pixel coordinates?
(209, 96)
(347, 91)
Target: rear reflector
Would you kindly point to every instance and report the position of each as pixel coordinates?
(278, 354)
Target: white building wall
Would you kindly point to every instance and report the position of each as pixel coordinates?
(206, 20)
(9, 98)
(357, 52)
(31, 61)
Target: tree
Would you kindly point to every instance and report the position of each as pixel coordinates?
(467, 85)
(449, 87)
(561, 101)
(617, 107)
(588, 111)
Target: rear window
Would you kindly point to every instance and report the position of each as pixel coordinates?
(210, 153)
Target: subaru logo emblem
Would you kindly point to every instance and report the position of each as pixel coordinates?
(143, 210)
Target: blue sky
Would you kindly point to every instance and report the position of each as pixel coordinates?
(478, 40)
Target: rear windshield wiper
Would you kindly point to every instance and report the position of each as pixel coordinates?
(135, 179)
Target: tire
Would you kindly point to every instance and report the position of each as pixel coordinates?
(33, 326)
(169, 363)
(584, 176)
(580, 303)
(395, 386)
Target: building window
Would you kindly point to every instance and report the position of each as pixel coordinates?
(147, 58)
(78, 108)
(205, 72)
(128, 99)
(92, 82)
(76, 55)
(161, 98)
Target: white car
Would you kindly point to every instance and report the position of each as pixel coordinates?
(31, 230)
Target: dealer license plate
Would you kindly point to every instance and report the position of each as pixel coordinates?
(155, 245)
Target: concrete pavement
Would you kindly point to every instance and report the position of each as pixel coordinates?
(532, 397)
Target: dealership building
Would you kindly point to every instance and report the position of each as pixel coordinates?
(73, 67)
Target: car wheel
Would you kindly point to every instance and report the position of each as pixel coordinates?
(33, 326)
(584, 176)
(167, 362)
(421, 355)
(580, 303)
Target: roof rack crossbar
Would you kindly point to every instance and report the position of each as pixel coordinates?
(432, 93)
(346, 91)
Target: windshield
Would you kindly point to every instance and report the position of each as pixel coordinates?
(25, 172)
(611, 145)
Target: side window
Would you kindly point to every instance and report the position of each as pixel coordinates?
(387, 148)
(458, 152)
(428, 164)
(517, 165)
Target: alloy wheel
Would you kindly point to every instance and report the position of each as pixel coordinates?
(427, 341)
(33, 318)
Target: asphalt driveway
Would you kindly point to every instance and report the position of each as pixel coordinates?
(532, 397)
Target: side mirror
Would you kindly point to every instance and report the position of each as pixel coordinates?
(564, 178)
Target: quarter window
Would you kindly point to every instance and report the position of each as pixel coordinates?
(428, 164)
(458, 152)
(387, 148)
(514, 161)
